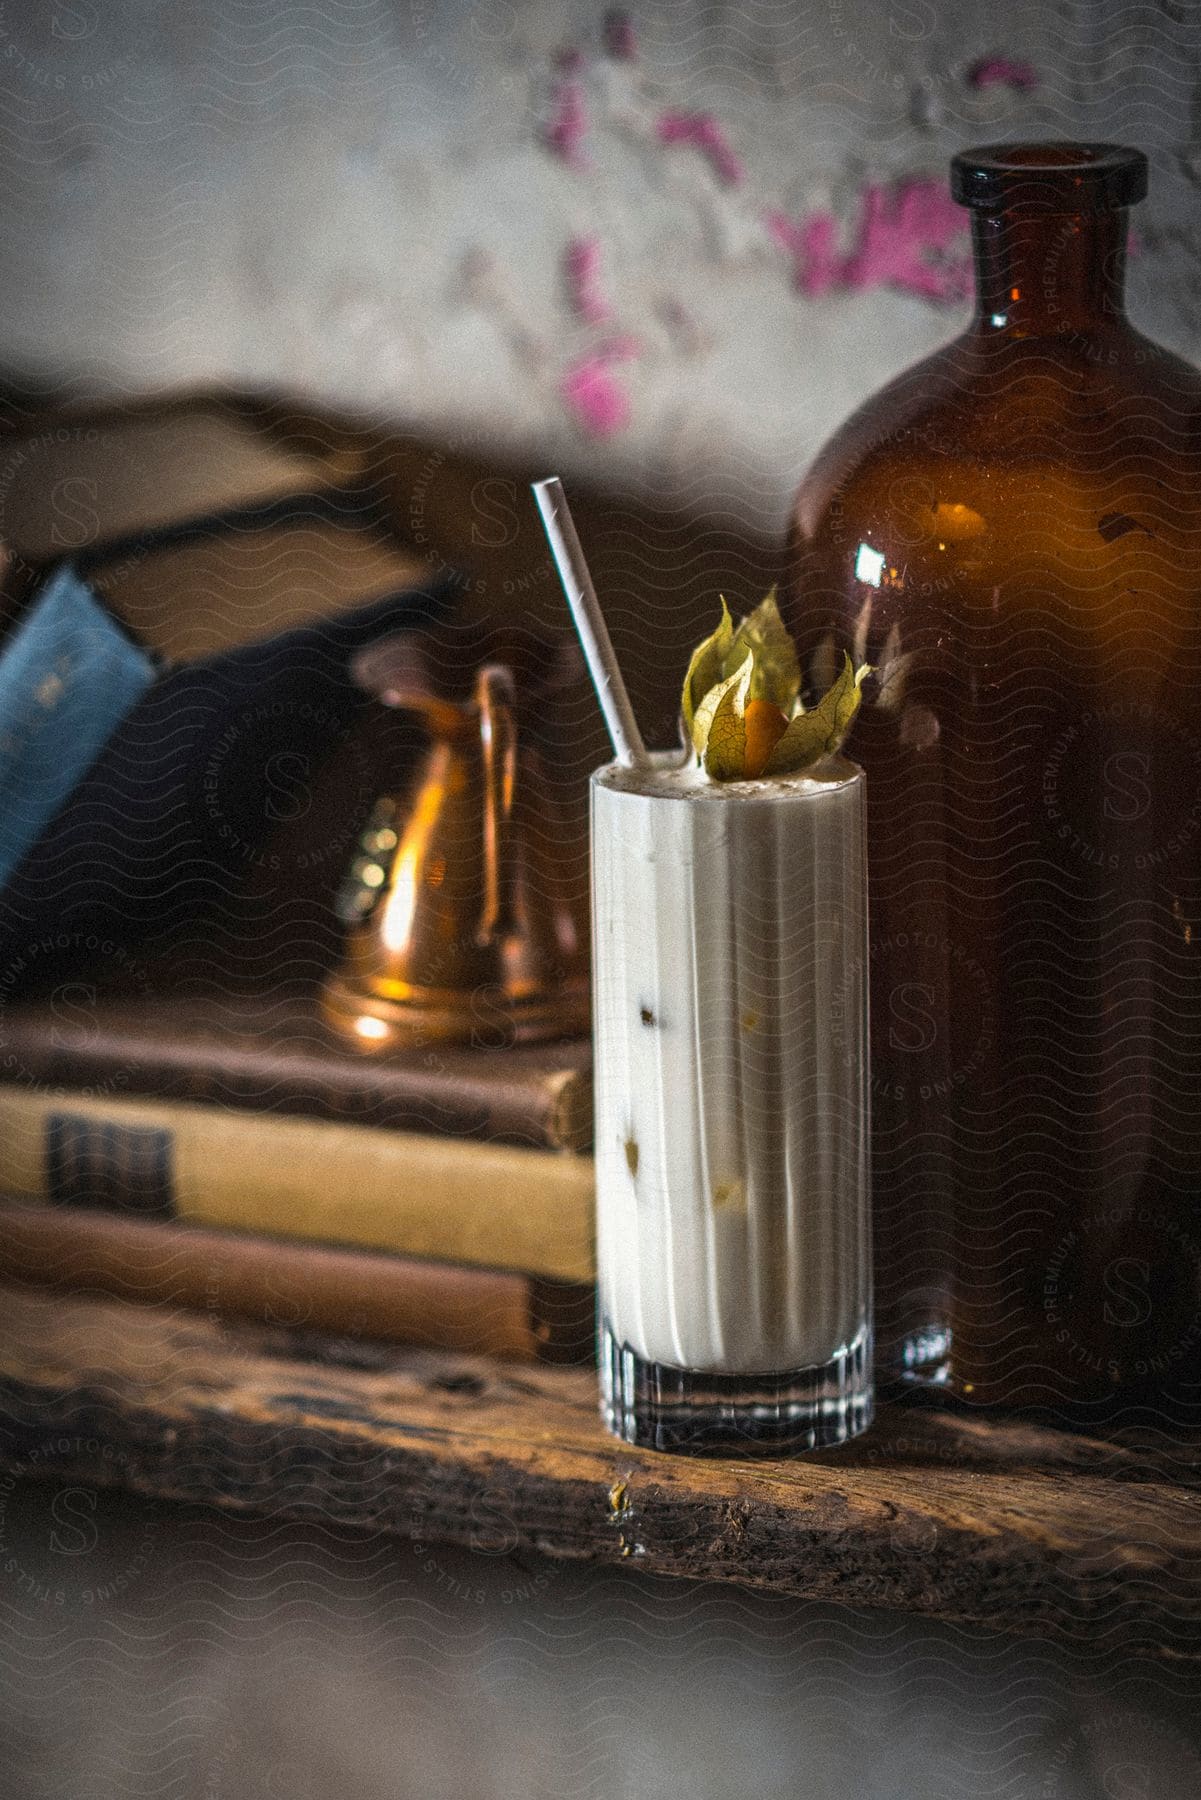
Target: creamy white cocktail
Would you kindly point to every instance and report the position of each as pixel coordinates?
(729, 934)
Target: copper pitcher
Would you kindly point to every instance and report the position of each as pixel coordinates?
(460, 929)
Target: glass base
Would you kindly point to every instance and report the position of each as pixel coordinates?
(691, 1411)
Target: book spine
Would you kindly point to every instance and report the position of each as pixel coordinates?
(546, 1111)
(354, 1294)
(488, 1205)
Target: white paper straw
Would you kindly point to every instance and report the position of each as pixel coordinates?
(589, 622)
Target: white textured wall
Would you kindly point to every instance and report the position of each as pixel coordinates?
(350, 198)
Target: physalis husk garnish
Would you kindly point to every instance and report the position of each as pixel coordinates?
(742, 700)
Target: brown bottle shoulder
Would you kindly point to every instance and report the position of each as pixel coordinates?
(990, 417)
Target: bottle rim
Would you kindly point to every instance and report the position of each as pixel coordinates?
(1048, 177)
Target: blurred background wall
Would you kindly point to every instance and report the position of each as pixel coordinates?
(669, 248)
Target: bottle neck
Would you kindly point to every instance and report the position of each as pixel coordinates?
(1040, 273)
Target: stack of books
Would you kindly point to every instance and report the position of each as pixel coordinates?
(225, 1151)
(202, 1138)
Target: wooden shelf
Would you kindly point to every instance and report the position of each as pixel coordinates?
(1007, 1525)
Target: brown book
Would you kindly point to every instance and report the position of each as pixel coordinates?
(204, 524)
(246, 582)
(271, 1051)
(80, 482)
(356, 1294)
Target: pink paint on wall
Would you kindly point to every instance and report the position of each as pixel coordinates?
(595, 398)
(812, 245)
(703, 132)
(618, 35)
(907, 239)
(585, 286)
(1001, 71)
(899, 229)
(568, 124)
(591, 391)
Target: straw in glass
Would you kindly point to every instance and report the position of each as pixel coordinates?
(590, 623)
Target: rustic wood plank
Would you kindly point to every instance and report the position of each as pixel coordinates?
(1013, 1526)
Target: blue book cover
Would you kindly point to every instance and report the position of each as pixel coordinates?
(171, 822)
(68, 676)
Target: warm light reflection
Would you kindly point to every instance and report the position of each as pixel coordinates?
(956, 523)
(400, 907)
(374, 1029)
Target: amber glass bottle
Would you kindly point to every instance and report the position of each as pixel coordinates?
(1011, 533)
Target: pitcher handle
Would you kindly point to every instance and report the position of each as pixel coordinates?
(495, 696)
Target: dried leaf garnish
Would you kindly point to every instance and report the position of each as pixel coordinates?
(705, 667)
(742, 706)
(724, 724)
(776, 672)
(819, 733)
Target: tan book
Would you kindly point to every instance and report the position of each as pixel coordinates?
(490, 1205)
(70, 483)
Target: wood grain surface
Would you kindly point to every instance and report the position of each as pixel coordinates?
(1014, 1526)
